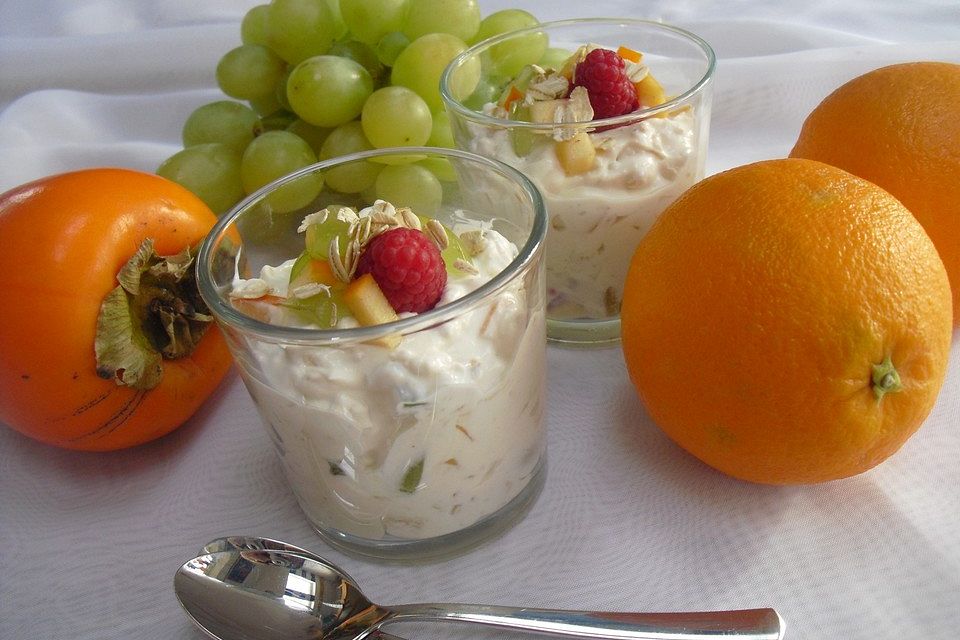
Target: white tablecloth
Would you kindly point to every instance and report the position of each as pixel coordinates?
(89, 542)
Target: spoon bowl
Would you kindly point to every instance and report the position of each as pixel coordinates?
(254, 594)
(256, 543)
(267, 595)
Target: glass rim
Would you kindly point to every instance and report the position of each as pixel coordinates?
(677, 101)
(221, 308)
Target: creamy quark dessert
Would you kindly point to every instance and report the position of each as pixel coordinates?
(598, 216)
(604, 183)
(411, 435)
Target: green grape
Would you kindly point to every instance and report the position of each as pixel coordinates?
(484, 93)
(339, 26)
(328, 91)
(300, 29)
(511, 56)
(273, 155)
(410, 185)
(398, 159)
(299, 267)
(441, 135)
(390, 47)
(355, 176)
(267, 105)
(420, 65)
(370, 20)
(502, 22)
(274, 122)
(369, 194)
(362, 54)
(440, 167)
(460, 18)
(211, 171)
(318, 236)
(253, 29)
(280, 91)
(249, 71)
(396, 117)
(521, 139)
(554, 58)
(223, 121)
(455, 250)
(317, 309)
(314, 136)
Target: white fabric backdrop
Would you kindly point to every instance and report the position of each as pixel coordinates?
(89, 542)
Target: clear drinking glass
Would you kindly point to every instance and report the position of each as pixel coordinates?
(643, 160)
(419, 437)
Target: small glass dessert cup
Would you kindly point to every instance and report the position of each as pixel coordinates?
(517, 98)
(408, 437)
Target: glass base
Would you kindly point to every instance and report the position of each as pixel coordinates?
(584, 333)
(441, 547)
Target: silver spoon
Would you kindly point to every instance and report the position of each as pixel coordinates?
(277, 595)
(257, 543)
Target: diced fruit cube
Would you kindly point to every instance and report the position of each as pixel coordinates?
(570, 66)
(576, 155)
(629, 54)
(543, 111)
(512, 96)
(517, 87)
(367, 302)
(307, 270)
(262, 309)
(369, 306)
(650, 92)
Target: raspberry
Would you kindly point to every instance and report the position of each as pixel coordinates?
(602, 74)
(408, 267)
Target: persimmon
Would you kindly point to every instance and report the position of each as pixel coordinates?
(88, 360)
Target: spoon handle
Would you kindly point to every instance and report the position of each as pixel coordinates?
(746, 624)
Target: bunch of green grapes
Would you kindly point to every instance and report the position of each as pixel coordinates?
(316, 79)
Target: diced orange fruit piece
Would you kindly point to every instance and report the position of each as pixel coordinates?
(576, 155)
(513, 95)
(629, 54)
(262, 309)
(369, 306)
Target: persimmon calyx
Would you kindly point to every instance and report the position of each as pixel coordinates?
(885, 379)
(154, 313)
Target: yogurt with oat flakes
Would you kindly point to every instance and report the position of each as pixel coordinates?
(420, 440)
(598, 217)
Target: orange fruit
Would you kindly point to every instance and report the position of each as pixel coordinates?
(787, 322)
(899, 127)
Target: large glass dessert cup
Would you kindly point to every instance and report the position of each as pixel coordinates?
(423, 436)
(640, 161)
